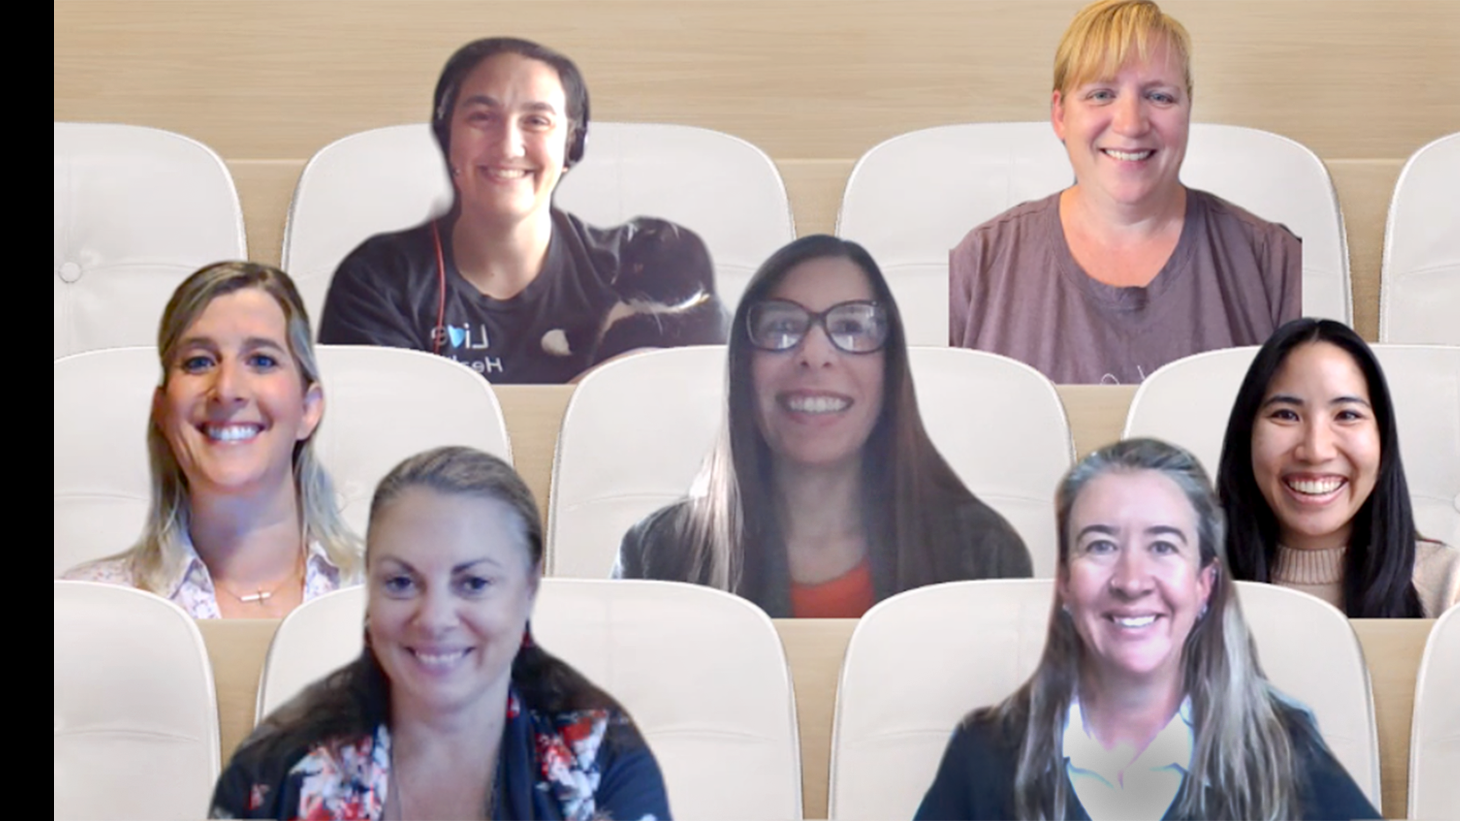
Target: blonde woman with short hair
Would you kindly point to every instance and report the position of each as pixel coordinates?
(1127, 269)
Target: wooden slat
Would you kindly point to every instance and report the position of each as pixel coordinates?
(824, 79)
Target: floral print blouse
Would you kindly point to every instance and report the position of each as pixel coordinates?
(549, 767)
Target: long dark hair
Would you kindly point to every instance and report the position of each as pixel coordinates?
(912, 496)
(471, 55)
(355, 699)
(1244, 731)
(1378, 577)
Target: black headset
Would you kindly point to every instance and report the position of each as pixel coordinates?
(472, 54)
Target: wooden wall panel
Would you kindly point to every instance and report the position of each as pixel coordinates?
(277, 79)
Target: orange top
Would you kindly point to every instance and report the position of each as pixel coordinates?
(847, 596)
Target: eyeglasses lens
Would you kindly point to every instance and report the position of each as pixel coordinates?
(854, 327)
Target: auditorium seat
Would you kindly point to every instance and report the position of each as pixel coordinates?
(702, 673)
(389, 179)
(1419, 288)
(633, 436)
(911, 199)
(1187, 402)
(636, 432)
(136, 210)
(1434, 742)
(136, 716)
(381, 405)
(920, 661)
(1002, 428)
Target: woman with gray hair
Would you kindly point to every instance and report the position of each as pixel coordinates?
(1149, 701)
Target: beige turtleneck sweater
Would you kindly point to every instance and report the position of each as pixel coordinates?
(1320, 572)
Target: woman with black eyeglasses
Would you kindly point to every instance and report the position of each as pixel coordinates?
(824, 494)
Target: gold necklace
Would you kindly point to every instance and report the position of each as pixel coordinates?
(260, 595)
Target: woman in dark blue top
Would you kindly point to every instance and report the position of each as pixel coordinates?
(1149, 701)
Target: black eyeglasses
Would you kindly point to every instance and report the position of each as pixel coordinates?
(859, 326)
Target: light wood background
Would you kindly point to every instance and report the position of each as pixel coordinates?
(815, 83)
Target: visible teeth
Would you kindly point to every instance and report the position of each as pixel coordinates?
(508, 173)
(1316, 487)
(439, 659)
(817, 404)
(1136, 621)
(231, 433)
(1129, 155)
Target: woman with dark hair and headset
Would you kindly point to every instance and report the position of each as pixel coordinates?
(504, 282)
(825, 494)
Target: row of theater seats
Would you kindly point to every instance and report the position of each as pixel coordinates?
(705, 676)
(136, 209)
(635, 431)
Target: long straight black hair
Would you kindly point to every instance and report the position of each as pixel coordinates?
(1378, 576)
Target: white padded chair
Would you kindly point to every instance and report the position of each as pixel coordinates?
(381, 405)
(136, 211)
(633, 437)
(919, 661)
(702, 673)
(136, 716)
(1187, 402)
(636, 431)
(1419, 290)
(914, 197)
(1011, 451)
(1434, 739)
(389, 179)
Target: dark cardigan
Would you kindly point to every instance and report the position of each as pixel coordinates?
(976, 777)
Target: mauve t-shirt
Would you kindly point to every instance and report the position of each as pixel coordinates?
(1015, 289)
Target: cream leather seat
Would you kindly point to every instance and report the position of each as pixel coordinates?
(136, 716)
(136, 210)
(920, 661)
(381, 405)
(633, 437)
(1002, 428)
(1419, 290)
(702, 673)
(1434, 738)
(911, 199)
(389, 179)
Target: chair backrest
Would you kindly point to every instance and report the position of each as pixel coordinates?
(636, 432)
(1010, 451)
(1434, 738)
(136, 716)
(389, 179)
(1188, 401)
(914, 197)
(633, 437)
(136, 211)
(381, 405)
(908, 679)
(1419, 288)
(702, 673)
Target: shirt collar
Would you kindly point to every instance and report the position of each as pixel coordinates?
(1172, 747)
(191, 586)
